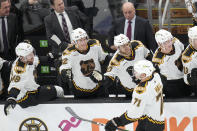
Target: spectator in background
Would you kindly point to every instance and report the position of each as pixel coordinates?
(81, 66)
(34, 12)
(168, 59)
(90, 12)
(59, 25)
(189, 59)
(191, 6)
(121, 65)
(134, 27)
(10, 33)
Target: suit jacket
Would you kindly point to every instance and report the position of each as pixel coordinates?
(14, 36)
(143, 32)
(53, 28)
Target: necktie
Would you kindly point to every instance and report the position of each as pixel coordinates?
(4, 34)
(129, 30)
(65, 28)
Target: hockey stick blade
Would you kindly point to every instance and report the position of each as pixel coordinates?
(69, 109)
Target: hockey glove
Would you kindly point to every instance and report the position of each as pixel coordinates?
(66, 75)
(192, 78)
(96, 76)
(10, 102)
(130, 70)
(112, 124)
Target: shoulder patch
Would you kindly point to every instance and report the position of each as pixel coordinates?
(116, 60)
(20, 67)
(93, 42)
(158, 57)
(135, 44)
(141, 88)
(187, 54)
(69, 50)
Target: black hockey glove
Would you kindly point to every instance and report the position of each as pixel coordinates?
(130, 70)
(112, 124)
(192, 78)
(66, 75)
(10, 102)
(117, 82)
(96, 76)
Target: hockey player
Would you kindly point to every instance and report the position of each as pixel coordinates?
(191, 6)
(147, 101)
(120, 68)
(23, 89)
(81, 64)
(168, 58)
(189, 59)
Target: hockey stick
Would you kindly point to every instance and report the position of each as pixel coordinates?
(83, 119)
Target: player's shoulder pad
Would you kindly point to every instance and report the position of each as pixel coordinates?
(69, 50)
(158, 57)
(135, 44)
(187, 54)
(175, 39)
(93, 42)
(141, 88)
(20, 67)
(116, 60)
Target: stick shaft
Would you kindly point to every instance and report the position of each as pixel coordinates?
(94, 122)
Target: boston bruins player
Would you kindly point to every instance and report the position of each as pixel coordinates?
(81, 64)
(147, 102)
(189, 59)
(121, 64)
(23, 89)
(191, 6)
(168, 58)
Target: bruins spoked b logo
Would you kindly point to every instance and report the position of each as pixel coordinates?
(33, 124)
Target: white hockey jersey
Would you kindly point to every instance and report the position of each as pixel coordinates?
(82, 63)
(147, 101)
(119, 64)
(189, 60)
(170, 65)
(22, 78)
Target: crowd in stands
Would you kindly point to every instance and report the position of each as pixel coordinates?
(84, 69)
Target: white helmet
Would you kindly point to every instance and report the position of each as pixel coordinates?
(23, 49)
(78, 34)
(192, 32)
(144, 66)
(162, 36)
(120, 40)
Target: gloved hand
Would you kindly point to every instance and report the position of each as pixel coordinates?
(112, 124)
(10, 102)
(96, 76)
(66, 74)
(192, 78)
(130, 70)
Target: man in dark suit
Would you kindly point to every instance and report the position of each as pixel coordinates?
(59, 25)
(135, 27)
(9, 33)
